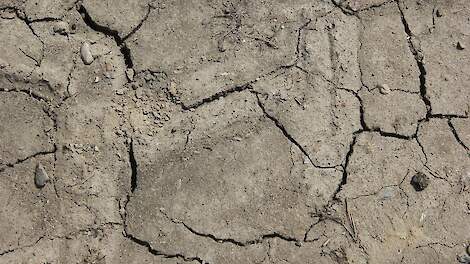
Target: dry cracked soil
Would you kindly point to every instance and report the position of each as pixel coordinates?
(234, 131)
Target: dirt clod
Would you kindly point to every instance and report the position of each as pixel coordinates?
(61, 28)
(420, 181)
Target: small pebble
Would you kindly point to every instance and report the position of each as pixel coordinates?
(465, 259)
(130, 74)
(419, 181)
(41, 177)
(97, 79)
(85, 53)
(384, 89)
(387, 193)
(61, 28)
(460, 46)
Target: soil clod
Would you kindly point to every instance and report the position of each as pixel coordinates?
(420, 181)
(61, 28)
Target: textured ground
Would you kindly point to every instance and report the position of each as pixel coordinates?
(210, 131)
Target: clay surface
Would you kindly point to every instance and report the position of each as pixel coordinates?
(214, 131)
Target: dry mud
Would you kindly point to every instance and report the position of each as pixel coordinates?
(210, 131)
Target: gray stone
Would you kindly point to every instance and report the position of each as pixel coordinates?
(85, 53)
(40, 177)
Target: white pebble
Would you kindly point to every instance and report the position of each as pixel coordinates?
(85, 53)
(130, 74)
(384, 89)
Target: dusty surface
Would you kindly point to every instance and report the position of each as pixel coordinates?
(234, 131)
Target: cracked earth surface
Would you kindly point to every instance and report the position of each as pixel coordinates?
(300, 131)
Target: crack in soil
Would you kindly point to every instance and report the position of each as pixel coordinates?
(347, 10)
(133, 164)
(125, 51)
(20, 161)
(248, 85)
(30, 93)
(456, 135)
(218, 95)
(344, 179)
(147, 244)
(67, 236)
(5, 252)
(134, 30)
(159, 253)
(288, 136)
(419, 57)
(230, 240)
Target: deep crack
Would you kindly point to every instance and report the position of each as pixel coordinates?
(419, 62)
(125, 51)
(344, 178)
(162, 254)
(133, 164)
(230, 240)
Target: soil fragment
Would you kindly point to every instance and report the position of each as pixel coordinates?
(419, 181)
(61, 28)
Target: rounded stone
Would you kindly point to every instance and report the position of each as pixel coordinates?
(40, 177)
(85, 53)
(419, 181)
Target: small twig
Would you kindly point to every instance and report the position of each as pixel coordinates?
(351, 220)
